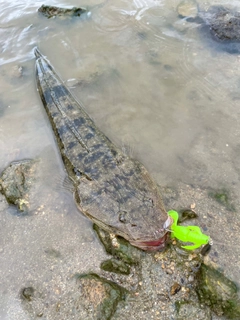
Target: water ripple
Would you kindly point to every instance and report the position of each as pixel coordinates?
(111, 20)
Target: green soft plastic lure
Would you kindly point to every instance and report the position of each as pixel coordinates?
(187, 234)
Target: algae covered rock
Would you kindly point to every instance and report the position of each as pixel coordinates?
(218, 23)
(124, 255)
(116, 266)
(52, 11)
(222, 196)
(86, 296)
(218, 292)
(16, 181)
(99, 295)
(118, 247)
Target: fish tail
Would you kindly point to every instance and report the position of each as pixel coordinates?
(37, 53)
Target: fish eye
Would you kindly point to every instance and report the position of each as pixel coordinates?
(122, 216)
(149, 202)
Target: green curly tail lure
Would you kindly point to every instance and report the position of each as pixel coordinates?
(187, 234)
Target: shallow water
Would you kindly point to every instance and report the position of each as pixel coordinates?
(150, 80)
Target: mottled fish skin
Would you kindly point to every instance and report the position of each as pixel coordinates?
(112, 190)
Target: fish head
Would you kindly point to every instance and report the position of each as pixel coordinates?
(145, 222)
(128, 205)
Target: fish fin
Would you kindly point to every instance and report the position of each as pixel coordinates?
(37, 53)
(64, 183)
(127, 148)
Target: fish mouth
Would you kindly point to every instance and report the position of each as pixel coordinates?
(152, 245)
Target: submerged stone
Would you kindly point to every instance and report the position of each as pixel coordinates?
(16, 181)
(218, 292)
(52, 253)
(218, 23)
(224, 23)
(17, 71)
(27, 293)
(222, 196)
(188, 8)
(99, 295)
(52, 11)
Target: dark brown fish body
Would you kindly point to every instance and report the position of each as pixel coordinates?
(112, 190)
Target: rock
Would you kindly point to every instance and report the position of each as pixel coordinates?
(224, 23)
(176, 287)
(222, 196)
(188, 8)
(27, 293)
(118, 247)
(116, 266)
(217, 23)
(16, 181)
(31, 299)
(187, 214)
(86, 296)
(17, 71)
(218, 292)
(191, 310)
(99, 295)
(3, 202)
(206, 249)
(158, 291)
(52, 11)
(52, 253)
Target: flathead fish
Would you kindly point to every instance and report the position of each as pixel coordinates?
(113, 190)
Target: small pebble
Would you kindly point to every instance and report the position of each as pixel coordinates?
(193, 205)
(187, 8)
(40, 314)
(190, 257)
(28, 293)
(176, 287)
(57, 291)
(169, 271)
